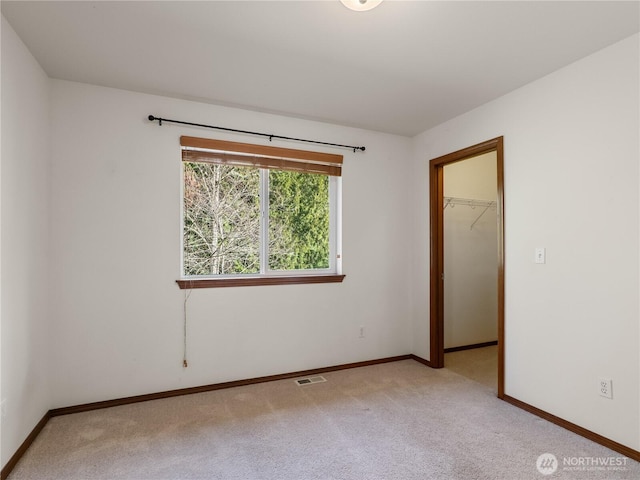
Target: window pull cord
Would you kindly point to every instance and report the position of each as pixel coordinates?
(187, 294)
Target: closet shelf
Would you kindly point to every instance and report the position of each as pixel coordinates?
(470, 202)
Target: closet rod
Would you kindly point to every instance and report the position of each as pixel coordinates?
(469, 202)
(270, 136)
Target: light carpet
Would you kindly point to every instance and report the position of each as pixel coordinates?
(398, 420)
(479, 364)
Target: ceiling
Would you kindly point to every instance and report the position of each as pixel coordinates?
(401, 68)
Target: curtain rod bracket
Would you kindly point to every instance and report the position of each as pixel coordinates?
(153, 118)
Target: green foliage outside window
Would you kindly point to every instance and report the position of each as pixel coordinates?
(222, 225)
(298, 220)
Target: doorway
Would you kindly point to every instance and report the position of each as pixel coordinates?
(438, 202)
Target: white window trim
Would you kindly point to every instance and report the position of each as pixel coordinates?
(335, 241)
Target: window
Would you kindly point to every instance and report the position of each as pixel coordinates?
(256, 215)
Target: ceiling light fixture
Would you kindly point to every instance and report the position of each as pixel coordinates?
(361, 5)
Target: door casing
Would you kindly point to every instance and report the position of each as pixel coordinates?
(436, 209)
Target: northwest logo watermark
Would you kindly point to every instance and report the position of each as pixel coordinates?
(547, 463)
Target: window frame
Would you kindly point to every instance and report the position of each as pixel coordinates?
(265, 158)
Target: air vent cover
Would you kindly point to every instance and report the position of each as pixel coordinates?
(310, 380)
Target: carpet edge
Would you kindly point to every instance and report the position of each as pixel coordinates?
(577, 429)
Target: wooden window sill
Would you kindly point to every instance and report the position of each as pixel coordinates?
(253, 281)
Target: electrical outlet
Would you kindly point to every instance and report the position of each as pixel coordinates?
(604, 387)
(361, 331)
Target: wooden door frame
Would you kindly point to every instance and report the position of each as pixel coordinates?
(436, 220)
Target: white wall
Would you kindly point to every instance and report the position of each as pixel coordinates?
(571, 145)
(25, 242)
(471, 254)
(116, 255)
(106, 266)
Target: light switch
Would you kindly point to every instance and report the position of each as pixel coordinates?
(541, 255)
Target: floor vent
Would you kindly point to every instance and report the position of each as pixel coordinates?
(309, 380)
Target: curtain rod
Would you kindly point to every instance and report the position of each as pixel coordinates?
(268, 135)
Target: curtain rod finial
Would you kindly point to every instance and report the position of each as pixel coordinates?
(151, 118)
